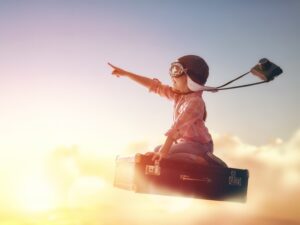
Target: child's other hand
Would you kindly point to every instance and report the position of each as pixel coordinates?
(158, 156)
(118, 71)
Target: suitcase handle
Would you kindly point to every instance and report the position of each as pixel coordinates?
(188, 178)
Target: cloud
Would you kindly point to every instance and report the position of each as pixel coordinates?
(273, 191)
(137, 146)
(274, 183)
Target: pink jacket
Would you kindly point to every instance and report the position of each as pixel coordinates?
(189, 113)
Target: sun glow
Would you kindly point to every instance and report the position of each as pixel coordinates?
(36, 194)
(171, 204)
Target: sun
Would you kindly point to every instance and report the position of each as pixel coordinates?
(36, 194)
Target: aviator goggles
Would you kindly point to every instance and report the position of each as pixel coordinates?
(177, 70)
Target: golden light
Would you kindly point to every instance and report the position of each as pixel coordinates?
(87, 191)
(36, 194)
(179, 204)
(171, 204)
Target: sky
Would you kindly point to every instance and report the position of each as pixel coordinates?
(64, 117)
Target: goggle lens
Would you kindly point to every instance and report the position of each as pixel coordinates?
(176, 69)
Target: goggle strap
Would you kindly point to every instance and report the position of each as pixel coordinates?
(241, 86)
(219, 88)
(239, 77)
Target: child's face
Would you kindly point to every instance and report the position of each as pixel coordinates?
(180, 84)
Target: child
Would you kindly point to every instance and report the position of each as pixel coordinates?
(188, 139)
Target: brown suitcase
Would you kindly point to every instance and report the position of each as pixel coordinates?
(173, 177)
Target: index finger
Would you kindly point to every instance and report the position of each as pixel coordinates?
(112, 65)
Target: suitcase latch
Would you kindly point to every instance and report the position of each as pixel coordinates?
(153, 169)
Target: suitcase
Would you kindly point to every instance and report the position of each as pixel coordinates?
(140, 174)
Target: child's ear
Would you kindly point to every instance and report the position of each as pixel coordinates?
(186, 83)
(185, 79)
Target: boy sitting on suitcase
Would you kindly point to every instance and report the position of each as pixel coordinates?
(188, 138)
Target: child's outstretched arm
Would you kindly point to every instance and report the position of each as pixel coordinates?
(145, 81)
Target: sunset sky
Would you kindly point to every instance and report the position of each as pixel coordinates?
(64, 117)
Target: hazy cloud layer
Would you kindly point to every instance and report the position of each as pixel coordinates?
(273, 191)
